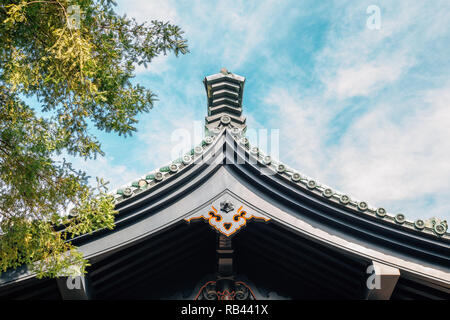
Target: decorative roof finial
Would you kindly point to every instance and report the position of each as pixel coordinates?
(224, 92)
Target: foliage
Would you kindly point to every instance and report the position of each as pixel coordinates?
(77, 59)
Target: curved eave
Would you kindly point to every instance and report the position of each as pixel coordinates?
(294, 197)
(255, 158)
(227, 163)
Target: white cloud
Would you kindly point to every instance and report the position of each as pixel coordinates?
(103, 167)
(411, 156)
(147, 10)
(362, 80)
(158, 66)
(161, 142)
(383, 160)
(302, 129)
(231, 31)
(379, 159)
(358, 61)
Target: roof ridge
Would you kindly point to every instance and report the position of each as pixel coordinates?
(435, 225)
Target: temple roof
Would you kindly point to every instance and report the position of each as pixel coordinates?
(224, 99)
(226, 172)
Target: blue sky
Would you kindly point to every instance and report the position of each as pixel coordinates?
(364, 111)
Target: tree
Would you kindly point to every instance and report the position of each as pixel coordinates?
(77, 60)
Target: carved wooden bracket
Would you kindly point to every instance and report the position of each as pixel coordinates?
(227, 220)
